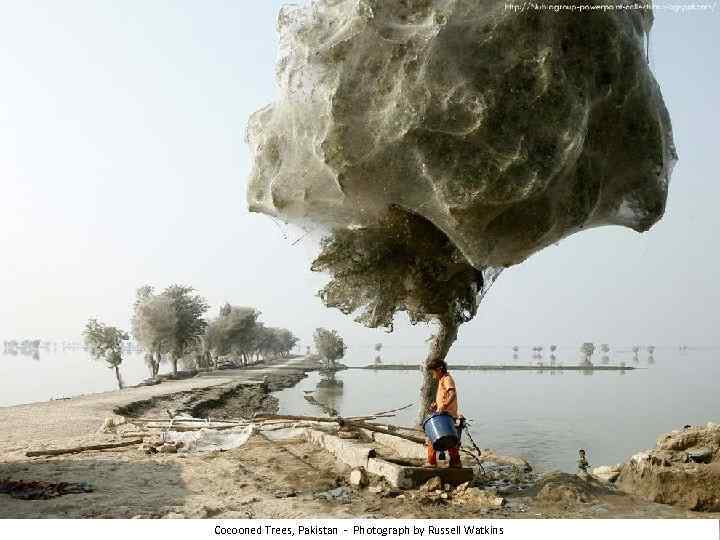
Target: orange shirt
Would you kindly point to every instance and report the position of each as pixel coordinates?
(446, 396)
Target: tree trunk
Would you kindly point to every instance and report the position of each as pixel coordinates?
(118, 377)
(439, 347)
(156, 366)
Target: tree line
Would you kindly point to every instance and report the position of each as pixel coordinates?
(171, 326)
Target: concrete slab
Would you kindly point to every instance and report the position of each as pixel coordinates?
(348, 451)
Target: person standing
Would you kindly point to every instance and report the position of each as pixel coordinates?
(446, 400)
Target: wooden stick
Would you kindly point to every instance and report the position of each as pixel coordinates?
(61, 451)
(383, 413)
(351, 423)
(188, 420)
(376, 429)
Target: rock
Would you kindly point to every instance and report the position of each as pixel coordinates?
(168, 449)
(210, 511)
(482, 497)
(505, 153)
(340, 495)
(607, 473)
(358, 477)
(701, 455)
(491, 456)
(148, 449)
(462, 487)
(285, 493)
(435, 483)
(375, 489)
(683, 469)
(111, 423)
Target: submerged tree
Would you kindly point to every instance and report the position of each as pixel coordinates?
(105, 343)
(329, 345)
(587, 349)
(404, 264)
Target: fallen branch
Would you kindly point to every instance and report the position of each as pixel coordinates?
(78, 449)
(348, 423)
(376, 429)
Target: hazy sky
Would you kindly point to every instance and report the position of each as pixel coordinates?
(123, 162)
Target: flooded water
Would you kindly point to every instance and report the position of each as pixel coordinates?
(544, 416)
(52, 375)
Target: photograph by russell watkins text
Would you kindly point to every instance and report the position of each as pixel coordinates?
(359, 269)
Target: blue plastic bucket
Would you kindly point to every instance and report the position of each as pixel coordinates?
(440, 429)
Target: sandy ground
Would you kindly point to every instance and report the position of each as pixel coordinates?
(264, 478)
(70, 422)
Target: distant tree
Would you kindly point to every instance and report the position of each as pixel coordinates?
(587, 349)
(329, 345)
(378, 347)
(605, 348)
(190, 326)
(153, 326)
(285, 340)
(237, 331)
(266, 343)
(105, 343)
(553, 348)
(403, 264)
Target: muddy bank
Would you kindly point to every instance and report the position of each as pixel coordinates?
(233, 400)
(683, 469)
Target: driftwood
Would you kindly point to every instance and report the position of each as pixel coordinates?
(187, 420)
(78, 449)
(350, 423)
(384, 431)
